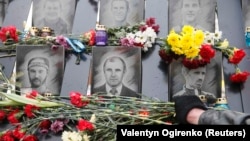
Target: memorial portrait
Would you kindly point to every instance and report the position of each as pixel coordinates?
(116, 13)
(3, 9)
(197, 13)
(117, 71)
(39, 68)
(56, 14)
(246, 13)
(202, 81)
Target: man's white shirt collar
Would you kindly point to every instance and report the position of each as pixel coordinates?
(118, 88)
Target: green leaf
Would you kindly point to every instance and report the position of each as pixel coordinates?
(24, 100)
(9, 103)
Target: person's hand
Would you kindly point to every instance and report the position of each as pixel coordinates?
(185, 103)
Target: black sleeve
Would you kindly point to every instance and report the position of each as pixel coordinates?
(183, 104)
(224, 117)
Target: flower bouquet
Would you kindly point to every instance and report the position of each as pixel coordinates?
(141, 35)
(196, 48)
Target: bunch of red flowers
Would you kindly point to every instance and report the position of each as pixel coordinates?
(9, 33)
(78, 100)
(235, 58)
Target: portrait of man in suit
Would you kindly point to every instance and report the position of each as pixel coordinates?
(246, 13)
(56, 14)
(116, 13)
(197, 13)
(114, 71)
(3, 9)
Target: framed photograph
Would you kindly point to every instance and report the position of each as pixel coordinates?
(116, 13)
(203, 81)
(3, 9)
(39, 68)
(56, 14)
(246, 13)
(197, 13)
(116, 70)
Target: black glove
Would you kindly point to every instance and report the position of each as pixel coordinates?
(183, 104)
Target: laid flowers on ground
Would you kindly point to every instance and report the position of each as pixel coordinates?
(78, 116)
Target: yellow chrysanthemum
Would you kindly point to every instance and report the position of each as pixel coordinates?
(173, 39)
(187, 29)
(199, 37)
(192, 52)
(177, 50)
(187, 41)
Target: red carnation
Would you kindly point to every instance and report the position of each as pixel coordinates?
(239, 77)
(194, 63)
(7, 136)
(156, 28)
(28, 110)
(237, 56)
(150, 21)
(30, 138)
(84, 125)
(143, 28)
(8, 32)
(14, 116)
(90, 36)
(45, 124)
(33, 94)
(76, 100)
(164, 56)
(18, 133)
(191, 64)
(138, 44)
(207, 52)
(2, 115)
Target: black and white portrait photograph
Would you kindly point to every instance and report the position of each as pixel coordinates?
(116, 13)
(197, 13)
(3, 9)
(201, 81)
(39, 68)
(246, 12)
(116, 71)
(56, 14)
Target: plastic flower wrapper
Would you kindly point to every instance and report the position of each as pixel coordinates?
(196, 48)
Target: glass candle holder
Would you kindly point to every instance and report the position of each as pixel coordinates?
(221, 103)
(101, 35)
